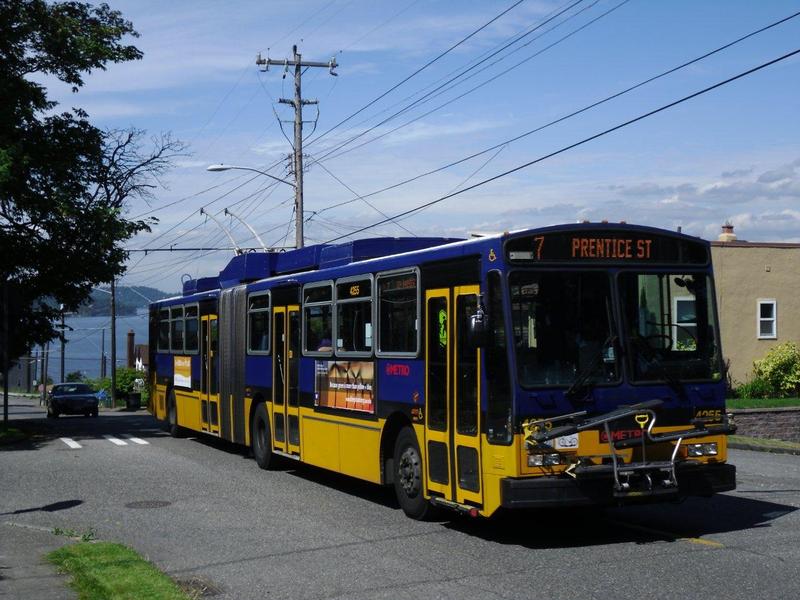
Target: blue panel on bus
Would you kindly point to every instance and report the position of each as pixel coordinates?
(304, 259)
(164, 365)
(202, 284)
(401, 380)
(247, 267)
(258, 371)
(342, 254)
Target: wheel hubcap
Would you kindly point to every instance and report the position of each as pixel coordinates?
(409, 472)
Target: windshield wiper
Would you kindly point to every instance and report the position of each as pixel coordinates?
(652, 357)
(582, 378)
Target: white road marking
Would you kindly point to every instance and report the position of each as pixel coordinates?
(116, 441)
(139, 441)
(71, 443)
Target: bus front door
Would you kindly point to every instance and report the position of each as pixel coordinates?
(209, 386)
(285, 378)
(452, 398)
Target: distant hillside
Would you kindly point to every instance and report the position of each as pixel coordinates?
(128, 300)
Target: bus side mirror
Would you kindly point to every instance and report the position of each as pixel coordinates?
(478, 327)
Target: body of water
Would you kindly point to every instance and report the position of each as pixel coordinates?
(85, 340)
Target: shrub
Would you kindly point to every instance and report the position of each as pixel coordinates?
(755, 388)
(780, 368)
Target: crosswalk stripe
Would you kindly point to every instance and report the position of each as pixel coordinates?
(71, 443)
(139, 441)
(116, 441)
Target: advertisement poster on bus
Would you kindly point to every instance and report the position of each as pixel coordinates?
(183, 371)
(345, 384)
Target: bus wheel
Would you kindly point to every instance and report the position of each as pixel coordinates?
(172, 416)
(408, 476)
(260, 436)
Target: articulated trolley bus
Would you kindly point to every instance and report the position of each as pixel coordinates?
(568, 365)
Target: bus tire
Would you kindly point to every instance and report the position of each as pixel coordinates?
(260, 436)
(172, 416)
(408, 476)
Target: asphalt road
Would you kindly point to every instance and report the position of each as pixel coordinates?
(205, 514)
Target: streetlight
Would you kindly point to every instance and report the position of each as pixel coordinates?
(298, 195)
(218, 168)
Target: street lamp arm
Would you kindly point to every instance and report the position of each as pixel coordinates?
(217, 168)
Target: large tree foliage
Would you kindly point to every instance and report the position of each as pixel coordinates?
(61, 207)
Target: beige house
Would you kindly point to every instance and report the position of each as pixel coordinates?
(758, 298)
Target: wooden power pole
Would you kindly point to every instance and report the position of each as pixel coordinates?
(298, 104)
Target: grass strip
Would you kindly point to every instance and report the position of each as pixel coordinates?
(762, 402)
(763, 444)
(109, 571)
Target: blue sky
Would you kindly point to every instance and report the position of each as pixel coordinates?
(732, 154)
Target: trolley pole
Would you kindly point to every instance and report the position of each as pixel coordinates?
(297, 103)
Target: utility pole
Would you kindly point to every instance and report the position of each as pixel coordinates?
(103, 354)
(113, 343)
(63, 342)
(297, 103)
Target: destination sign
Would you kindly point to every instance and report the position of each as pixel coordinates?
(605, 246)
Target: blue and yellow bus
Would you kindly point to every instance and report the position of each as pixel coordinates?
(568, 365)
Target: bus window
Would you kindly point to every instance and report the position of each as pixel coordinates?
(176, 328)
(318, 319)
(563, 330)
(191, 329)
(163, 330)
(670, 325)
(354, 316)
(258, 323)
(398, 314)
(498, 390)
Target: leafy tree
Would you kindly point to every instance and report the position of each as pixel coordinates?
(63, 182)
(74, 376)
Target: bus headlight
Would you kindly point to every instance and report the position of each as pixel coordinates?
(708, 449)
(544, 460)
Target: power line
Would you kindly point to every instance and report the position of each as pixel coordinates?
(443, 87)
(564, 117)
(418, 71)
(576, 144)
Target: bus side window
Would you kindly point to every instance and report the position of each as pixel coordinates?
(398, 314)
(176, 328)
(318, 319)
(190, 329)
(354, 316)
(258, 311)
(163, 330)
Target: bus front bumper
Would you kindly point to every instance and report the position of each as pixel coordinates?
(694, 479)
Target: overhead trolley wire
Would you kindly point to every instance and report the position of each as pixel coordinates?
(577, 144)
(418, 71)
(443, 87)
(565, 117)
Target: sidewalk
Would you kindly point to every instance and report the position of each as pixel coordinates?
(24, 572)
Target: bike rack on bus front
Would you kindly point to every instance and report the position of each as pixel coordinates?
(644, 414)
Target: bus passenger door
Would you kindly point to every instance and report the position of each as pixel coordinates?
(293, 379)
(209, 385)
(285, 379)
(466, 398)
(437, 391)
(452, 398)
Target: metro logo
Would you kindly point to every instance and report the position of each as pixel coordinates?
(621, 434)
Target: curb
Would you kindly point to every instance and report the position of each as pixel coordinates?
(762, 448)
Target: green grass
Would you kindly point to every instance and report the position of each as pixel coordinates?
(9, 435)
(109, 571)
(761, 402)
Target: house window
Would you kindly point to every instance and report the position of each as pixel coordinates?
(684, 330)
(767, 319)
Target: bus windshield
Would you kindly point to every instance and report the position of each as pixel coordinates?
(670, 326)
(563, 327)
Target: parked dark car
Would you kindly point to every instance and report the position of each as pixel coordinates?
(71, 399)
